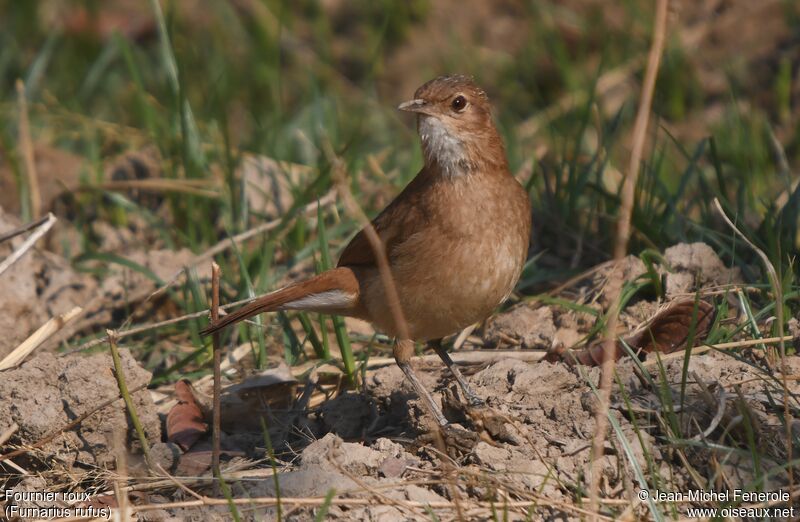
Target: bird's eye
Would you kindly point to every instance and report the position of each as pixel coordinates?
(459, 103)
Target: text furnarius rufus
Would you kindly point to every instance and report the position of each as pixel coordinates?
(456, 238)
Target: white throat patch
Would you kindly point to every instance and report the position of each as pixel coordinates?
(439, 143)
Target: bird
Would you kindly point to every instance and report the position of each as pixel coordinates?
(455, 239)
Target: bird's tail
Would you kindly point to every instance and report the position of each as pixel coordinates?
(334, 291)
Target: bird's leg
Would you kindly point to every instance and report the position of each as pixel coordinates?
(403, 351)
(471, 396)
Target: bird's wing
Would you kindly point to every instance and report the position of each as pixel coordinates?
(400, 219)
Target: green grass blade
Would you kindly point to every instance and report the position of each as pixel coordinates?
(313, 338)
(326, 504)
(339, 327)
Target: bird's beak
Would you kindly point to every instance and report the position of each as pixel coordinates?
(416, 105)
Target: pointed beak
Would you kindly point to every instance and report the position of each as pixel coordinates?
(416, 105)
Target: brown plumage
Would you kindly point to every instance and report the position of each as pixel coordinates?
(456, 238)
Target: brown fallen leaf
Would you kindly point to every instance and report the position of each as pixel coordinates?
(185, 420)
(666, 332)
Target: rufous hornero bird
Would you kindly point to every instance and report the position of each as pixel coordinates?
(456, 238)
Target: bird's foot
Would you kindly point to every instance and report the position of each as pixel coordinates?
(451, 439)
(474, 401)
(458, 440)
(489, 424)
(461, 410)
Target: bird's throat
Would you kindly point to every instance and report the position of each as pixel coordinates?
(442, 148)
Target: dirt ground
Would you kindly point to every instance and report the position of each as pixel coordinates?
(533, 438)
(716, 422)
(377, 448)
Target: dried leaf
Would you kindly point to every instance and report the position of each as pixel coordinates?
(665, 332)
(668, 330)
(185, 420)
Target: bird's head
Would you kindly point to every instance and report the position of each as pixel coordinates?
(454, 121)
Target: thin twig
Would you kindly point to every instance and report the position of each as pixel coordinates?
(465, 357)
(462, 337)
(225, 244)
(621, 244)
(375, 243)
(28, 243)
(707, 348)
(154, 326)
(771, 274)
(215, 340)
(126, 396)
(43, 333)
(8, 433)
(751, 342)
(20, 469)
(379, 496)
(26, 146)
(22, 229)
(180, 484)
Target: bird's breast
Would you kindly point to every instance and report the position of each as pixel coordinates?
(464, 262)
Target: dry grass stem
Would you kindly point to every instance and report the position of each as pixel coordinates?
(26, 151)
(215, 339)
(621, 244)
(771, 274)
(28, 243)
(238, 239)
(180, 484)
(20, 469)
(8, 433)
(154, 326)
(390, 288)
(467, 357)
(751, 342)
(654, 360)
(378, 249)
(24, 228)
(463, 335)
(402, 504)
(53, 325)
(158, 185)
